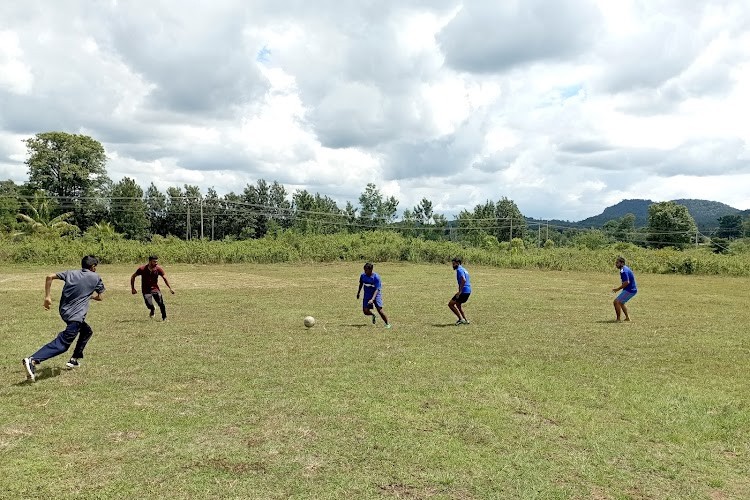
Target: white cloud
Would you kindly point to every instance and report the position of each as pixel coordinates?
(15, 76)
(565, 108)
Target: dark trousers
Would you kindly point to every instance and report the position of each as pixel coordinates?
(64, 339)
(150, 298)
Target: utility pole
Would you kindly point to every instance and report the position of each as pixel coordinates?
(187, 228)
(213, 217)
(201, 218)
(539, 233)
(510, 240)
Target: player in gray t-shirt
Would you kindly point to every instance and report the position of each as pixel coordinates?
(80, 285)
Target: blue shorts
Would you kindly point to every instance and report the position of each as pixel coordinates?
(461, 298)
(625, 296)
(378, 302)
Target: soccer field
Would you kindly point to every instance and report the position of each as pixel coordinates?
(541, 396)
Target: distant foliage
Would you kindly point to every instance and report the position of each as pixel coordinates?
(376, 246)
(670, 224)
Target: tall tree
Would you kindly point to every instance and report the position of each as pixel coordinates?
(670, 224)
(156, 210)
(438, 229)
(72, 169)
(316, 214)
(409, 223)
(730, 226)
(376, 210)
(480, 222)
(621, 229)
(211, 210)
(238, 218)
(350, 215)
(423, 211)
(9, 205)
(269, 204)
(193, 207)
(127, 210)
(511, 222)
(176, 213)
(279, 205)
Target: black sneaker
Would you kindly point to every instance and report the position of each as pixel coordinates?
(73, 363)
(28, 365)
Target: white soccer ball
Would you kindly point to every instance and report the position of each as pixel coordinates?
(309, 321)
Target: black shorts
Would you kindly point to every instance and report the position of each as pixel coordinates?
(461, 299)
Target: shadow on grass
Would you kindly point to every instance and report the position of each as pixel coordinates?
(446, 325)
(42, 374)
(609, 321)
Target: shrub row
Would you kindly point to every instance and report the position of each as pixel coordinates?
(377, 246)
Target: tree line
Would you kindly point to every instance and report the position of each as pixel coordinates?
(69, 193)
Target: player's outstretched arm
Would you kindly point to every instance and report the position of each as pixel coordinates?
(166, 282)
(48, 290)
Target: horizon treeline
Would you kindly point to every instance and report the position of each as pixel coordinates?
(69, 194)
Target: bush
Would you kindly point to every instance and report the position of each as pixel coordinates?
(378, 246)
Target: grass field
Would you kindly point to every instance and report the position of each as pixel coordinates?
(542, 396)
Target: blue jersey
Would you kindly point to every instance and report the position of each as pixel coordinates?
(463, 273)
(627, 275)
(371, 284)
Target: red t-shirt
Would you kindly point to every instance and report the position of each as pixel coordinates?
(149, 278)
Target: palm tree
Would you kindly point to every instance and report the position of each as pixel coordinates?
(39, 221)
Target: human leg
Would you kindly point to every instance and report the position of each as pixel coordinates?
(149, 300)
(453, 306)
(461, 312)
(460, 300)
(620, 306)
(83, 338)
(159, 299)
(59, 345)
(368, 312)
(383, 315)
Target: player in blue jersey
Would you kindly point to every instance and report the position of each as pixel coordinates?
(628, 287)
(464, 290)
(372, 297)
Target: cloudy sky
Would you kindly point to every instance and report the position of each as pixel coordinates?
(564, 106)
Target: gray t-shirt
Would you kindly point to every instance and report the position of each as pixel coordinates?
(80, 284)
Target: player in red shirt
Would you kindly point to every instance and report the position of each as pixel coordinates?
(149, 274)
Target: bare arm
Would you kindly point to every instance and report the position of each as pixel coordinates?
(48, 289)
(359, 290)
(166, 282)
(461, 284)
(132, 283)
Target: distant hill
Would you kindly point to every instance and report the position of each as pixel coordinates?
(705, 212)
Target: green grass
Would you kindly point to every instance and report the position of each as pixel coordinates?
(542, 396)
